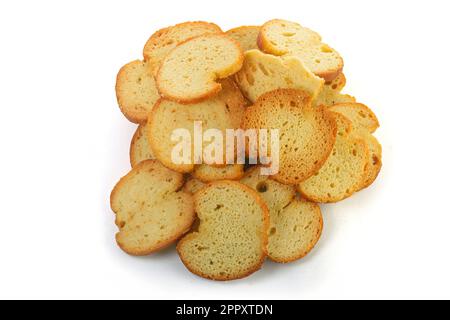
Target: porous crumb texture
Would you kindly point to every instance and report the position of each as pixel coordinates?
(150, 211)
(281, 37)
(136, 91)
(343, 172)
(189, 73)
(164, 40)
(222, 112)
(140, 148)
(232, 236)
(306, 134)
(295, 225)
(262, 73)
(246, 36)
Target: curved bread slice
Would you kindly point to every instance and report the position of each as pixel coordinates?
(150, 212)
(207, 173)
(306, 134)
(361, 116)
(294, 231)
(295, 226)
(164, 40)
(262, 73)
(140, 148)
(331, 93)
(192, 185)
(343, 172)
(364, 122)
(136, 91)
(189, 73)
(232, 237)
(281, 37)
(246, 36)
(222, 112)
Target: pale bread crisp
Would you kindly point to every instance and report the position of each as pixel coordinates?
(306, 134)
(343, 172)
(262, 73)
(295, 225)
(190, 72)
(140, 149)
(164, 40)
(282, 37)
(246, 36)
(331, 93)
(136, 91)
(222, 112)
(231, 240)
(150, 211)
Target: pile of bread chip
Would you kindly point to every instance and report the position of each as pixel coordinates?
(226, 219)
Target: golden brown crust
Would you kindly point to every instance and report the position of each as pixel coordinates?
(263, 236)
(360, 114)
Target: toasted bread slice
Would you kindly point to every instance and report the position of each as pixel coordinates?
(295, 225)
(364, 122)
(136, 91)
(331, 93)
(306, 134)
(164, 40)
(222, 112)
(140, 149)
(189, 73)
(231, 239)
(262, 73)
(150, 211)
(361, 116)
(281, 37)
(294, 231)
(246, 36)
(343, 172)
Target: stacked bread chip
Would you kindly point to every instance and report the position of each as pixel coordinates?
(227, 219)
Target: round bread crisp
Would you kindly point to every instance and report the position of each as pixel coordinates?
(295, 225)
(263, 72)
(189, 73)
(231, 239)
(281, 37)
(150, 211)
(136, 91)
(246, 36)
(306, 134)
(344, 171)
(222, 112)
(364, 122)
(164, 40)
(140, 147)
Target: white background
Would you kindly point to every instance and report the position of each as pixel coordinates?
(64, 144)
